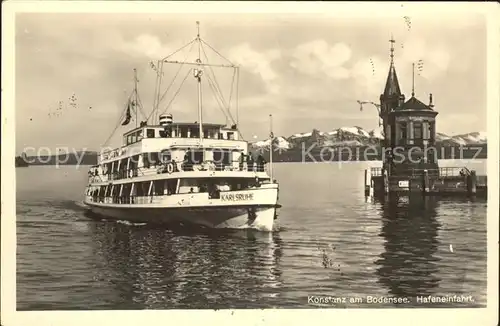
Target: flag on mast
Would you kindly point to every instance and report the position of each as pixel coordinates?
(128, 116)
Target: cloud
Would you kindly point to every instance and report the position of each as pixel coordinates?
(369, 75)
(300, 71)
(431, 63)
(151, 47)
(318, 56)
(435, 59)
(257, 62)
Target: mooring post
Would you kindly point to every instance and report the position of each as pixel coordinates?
(386, 181)
(426, 182)
(472, 182)
(368, 183)
(367, 190)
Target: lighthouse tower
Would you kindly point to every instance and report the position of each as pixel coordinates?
(410, 158)
(409, 131)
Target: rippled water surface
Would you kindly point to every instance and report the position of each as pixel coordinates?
(330, 242)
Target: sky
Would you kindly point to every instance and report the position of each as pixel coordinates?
(306, 70)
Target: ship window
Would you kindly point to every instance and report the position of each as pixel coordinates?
(171, 185)
(142, 188)
(166, 156)
(154, 158)
(230, 135)
(145, 160)
(150, 133)
(213, 133)
(183, 132)
(222, 156)
(189, 185)
(195, 133)
(158, 186)
(194, 156)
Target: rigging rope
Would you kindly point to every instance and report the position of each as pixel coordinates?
(220, 55)
(221, 106)
(232, 85)
(178, 90)
(210, 82)
(168, 56)
(140, 106)
(175, 77)
(215, 79)
(157, 91)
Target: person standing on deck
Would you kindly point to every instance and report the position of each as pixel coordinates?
(261, 162)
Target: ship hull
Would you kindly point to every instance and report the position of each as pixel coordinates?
(260, 217)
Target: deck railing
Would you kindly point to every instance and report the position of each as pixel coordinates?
(444, 172)
(176, 167)
(441, 172)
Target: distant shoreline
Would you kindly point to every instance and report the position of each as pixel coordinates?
(296, 155)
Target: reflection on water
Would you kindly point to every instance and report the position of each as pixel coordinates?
(162, 269)
(408, 266)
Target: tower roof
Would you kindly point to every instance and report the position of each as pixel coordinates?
(415, 105)
(392, 83)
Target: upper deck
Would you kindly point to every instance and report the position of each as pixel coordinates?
(154, 139)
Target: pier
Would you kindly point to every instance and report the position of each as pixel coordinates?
(409, 154)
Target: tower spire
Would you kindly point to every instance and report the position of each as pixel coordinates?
(392, 49)
(413, 80)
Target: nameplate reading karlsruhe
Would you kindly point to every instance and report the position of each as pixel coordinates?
(237, 197)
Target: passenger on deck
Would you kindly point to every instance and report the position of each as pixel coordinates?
(250, 163)
(242, 161)
(187, 165)
(261, 161)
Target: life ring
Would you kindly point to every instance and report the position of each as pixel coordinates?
(130, 174)
(170, 168)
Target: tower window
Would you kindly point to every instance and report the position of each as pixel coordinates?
(417, 131)
(403, 133)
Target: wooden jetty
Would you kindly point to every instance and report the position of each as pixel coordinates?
(409, 155)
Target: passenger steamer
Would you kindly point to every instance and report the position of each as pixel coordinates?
(184, 173)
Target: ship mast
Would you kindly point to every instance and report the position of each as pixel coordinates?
(198, 72)
(135, 105)
(200, 69)
(271, 136)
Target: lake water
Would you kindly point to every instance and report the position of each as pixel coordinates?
(330, 242)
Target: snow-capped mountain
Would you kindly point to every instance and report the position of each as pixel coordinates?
(357, 136)
(279, 142)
